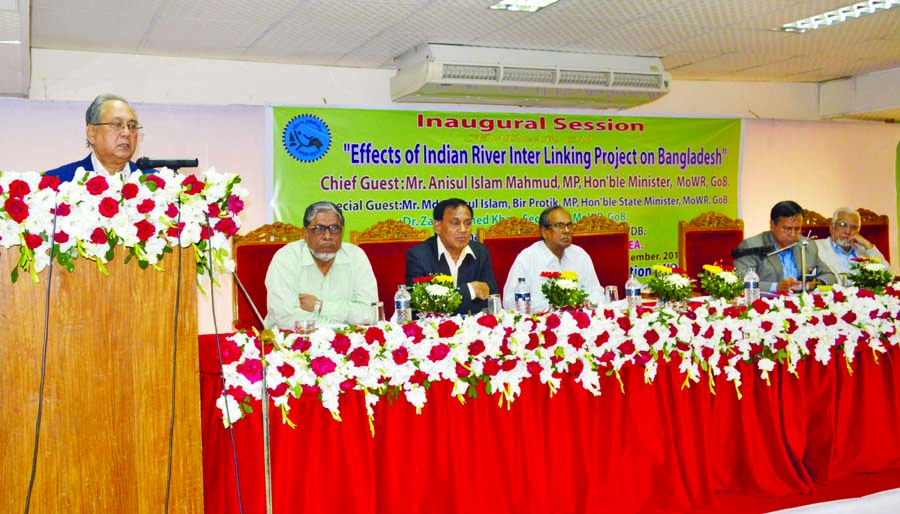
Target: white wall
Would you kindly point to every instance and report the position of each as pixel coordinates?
(217, 113)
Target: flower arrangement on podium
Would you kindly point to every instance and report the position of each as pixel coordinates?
(721, 282)
(670, 284)
(435, 294)
(562, 289)
(147, 214)
(870, 273)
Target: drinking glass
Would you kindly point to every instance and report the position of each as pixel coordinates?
(377, 312)
(305, 326)
(494, 306)
(612, 294)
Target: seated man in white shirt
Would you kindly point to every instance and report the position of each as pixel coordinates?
(320, 278)
(845, 242)
(554, 252)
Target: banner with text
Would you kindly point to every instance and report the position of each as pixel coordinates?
(380, 164)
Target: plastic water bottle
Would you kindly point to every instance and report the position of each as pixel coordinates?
(401, 305)
(751, 287)
(633, 292)
(523, 297)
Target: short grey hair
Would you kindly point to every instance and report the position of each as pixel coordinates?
(844, 210)
(318, 207)
(92, 115)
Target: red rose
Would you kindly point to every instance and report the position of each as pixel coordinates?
(204, 233)
(60, 237)
(552, 321)
(792, 326)
(461, 371)
(549, 338)
(226, 226)
(533, 341)
(582, 320)
(176, 230)
(509, 365)
(575, 340)
(146, 206)
(838, 296)
(627, 347)
(413, 331)
(673, 331)
(602, 338)
(153, 182)
(172, 211)
(374, 335)
(535, 368)
(109, 207)
(491, 366)
(322, 366)
(400, 355)
(865, 293)
(62, 209)
(98, 236)
(235, 204)
(311, 389)
(18, 189)
(791, 306)
(278, 390)
(360, 357)
(707, 351)
(682, 346)
(17, 209)
(96, 185)
(476, 347)
(576, 367)
(652, 336)
(624, 323)
(726, 335)
(438, 352)
(447, 328)
(145, 230)
(760, 306)
(49, 181)
(766, 325)
(286, 370)
(129, 191)
(710, 331)
(213, 210)
(341, 343)
(192, 185)
(418, 378)
(819, 302)
(828, 319)
(231, 352)
(32, 241)
(251, 369)
(695, 328)
(301, 344)
(488, 320)
(780, 343)
(642, 358)
(550, 274)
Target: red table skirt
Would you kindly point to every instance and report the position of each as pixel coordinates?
(658, 446)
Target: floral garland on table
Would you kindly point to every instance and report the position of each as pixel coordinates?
(721, 282)
(562, 289)
(870, 273)
(435, 294)
(670, 284)
(500, 351)
(145, 213)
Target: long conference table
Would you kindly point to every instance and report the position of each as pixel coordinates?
(667, 443)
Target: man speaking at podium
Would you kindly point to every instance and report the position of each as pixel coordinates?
(112, 135)
(781, 272)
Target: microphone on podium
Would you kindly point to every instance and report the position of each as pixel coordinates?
(146, 163)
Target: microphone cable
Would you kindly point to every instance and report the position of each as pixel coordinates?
(174, 359)
(212, 301)
(37, 426)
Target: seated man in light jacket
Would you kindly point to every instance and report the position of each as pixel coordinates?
(845, 242)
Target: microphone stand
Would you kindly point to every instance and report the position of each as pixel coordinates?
(265, 336)
(803, 243)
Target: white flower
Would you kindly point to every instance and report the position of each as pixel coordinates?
(437, 289)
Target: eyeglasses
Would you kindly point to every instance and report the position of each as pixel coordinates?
(320, 229)
(844, 224)
(560, 225)
(119, 125)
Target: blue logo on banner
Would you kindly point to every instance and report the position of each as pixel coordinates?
(306, 138)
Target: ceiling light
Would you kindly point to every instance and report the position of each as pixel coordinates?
(10, 42)
(523, 5)
(842, 14)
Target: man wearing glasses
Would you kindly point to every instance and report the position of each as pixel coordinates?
(112, 135)
(320, 278)
(845, 242)
(781, 272)
(554, 252)
(452, 252)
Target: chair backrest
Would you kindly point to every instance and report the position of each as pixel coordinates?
(606, 241)
(708, 239)
(505, 240)
(873, 227)
(385, 244)
(253, 253)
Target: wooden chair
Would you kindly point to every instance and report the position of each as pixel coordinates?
(872, 226)
(708, 239)
(505, 239)
(607, 242)
(385, 243)
(253, 253)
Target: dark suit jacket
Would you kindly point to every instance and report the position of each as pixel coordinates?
(769, 268)
(422, 261)
(66, 172)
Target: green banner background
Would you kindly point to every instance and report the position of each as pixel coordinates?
(379, 164)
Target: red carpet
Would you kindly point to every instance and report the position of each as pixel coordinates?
(848, 486)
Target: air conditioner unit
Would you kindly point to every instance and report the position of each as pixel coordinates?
(436, 73)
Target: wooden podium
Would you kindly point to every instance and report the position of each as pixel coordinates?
(108, 387)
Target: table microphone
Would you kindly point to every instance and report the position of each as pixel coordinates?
(756, 250)
(145, 163)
